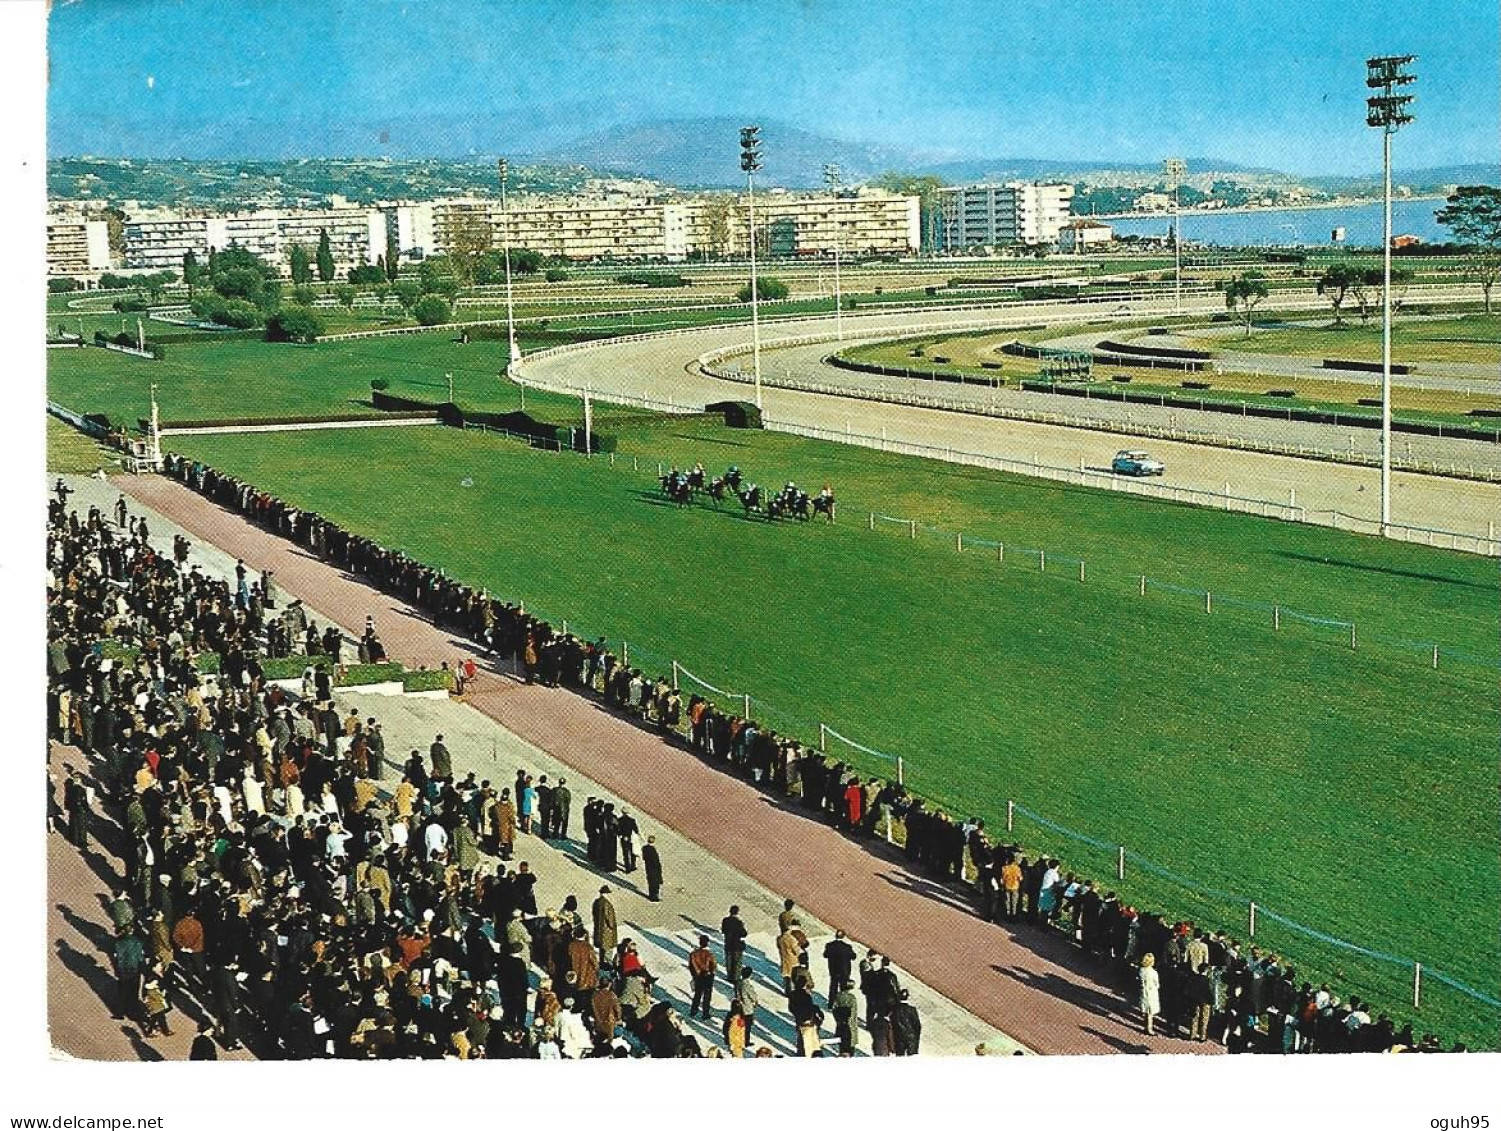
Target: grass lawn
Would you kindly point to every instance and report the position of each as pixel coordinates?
(1474, 338)
(1351, 791)
(225, 379)
(70, 452)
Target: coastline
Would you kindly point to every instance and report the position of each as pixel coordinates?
(1318, 206)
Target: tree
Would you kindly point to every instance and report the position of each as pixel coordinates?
(556, 275)
(345, 294)
(325, 257)
(430, 310)
(61, 284)
(1245, 293)
(302, 268)
(393, 254)
(925, 188)
(294, 324)
(717, 227)
(192, 271)
(1336, 283)
(366, 275)
(407, 292)
(768, 288)
(304, 296)
(468, 240)
(1474, 216)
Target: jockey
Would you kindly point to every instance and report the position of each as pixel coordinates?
(826, 493)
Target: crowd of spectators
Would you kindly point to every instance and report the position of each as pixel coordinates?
(1209, 985)
(271, 872)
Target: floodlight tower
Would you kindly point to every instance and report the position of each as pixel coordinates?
(513, 367)
(1175, 168)
(833, 178)
(1386, 110)
(750, 162)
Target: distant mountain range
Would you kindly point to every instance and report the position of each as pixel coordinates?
(689, 153)
(705, 153)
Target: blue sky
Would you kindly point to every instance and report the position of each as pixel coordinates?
(1260, 82)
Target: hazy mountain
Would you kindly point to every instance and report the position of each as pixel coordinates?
(705, 153)
(1431, 179)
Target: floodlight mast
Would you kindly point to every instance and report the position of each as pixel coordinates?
(513, 367)
(1175, 168)
(1386, 110)
(750, 162)
(833, 177)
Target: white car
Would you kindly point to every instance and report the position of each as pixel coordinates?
(1136, 463)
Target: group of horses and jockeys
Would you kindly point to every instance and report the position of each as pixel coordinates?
(790, 502)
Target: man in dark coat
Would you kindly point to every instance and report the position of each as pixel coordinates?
(906, 1027)
(562, 801)
(840, 957)
(651, 859)
(76, 802)
(511, 977)
(442, 761)
(733, 931)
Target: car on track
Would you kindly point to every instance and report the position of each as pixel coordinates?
(1127, 462)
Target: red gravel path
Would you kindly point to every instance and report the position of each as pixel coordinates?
(1026, 982)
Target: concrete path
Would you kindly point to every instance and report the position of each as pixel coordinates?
(1029, 983)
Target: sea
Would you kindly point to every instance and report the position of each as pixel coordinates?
(1289, 227)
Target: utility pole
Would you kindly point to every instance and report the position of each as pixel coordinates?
(832, 178)
(750, 162)
(1387, 111)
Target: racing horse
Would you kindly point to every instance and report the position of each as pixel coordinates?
(675, 487)
(716, 491)
(824, 505)
(750, 499)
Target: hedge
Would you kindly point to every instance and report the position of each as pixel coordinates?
(428, 679)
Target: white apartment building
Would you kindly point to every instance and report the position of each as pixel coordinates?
(1079, 235)
(867, 222)
(992, 215)
(357, 236)
(77, 247)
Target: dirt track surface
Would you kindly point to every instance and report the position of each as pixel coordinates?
(1022, 980)
(662, 366)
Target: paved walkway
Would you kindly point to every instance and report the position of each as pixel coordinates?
(1031, 984)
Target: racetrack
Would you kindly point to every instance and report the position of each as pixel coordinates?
(663, 367)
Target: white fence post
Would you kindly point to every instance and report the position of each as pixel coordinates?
(634, 465)
(1417, 985)
(1276, 618)
(823, 739)
(747, 705)
(872, 520)
(1000, 552)
(1120, 863)
(625, 652)
(901, 771)
(959, 542)
(1143, 585)
(888, 824)
(1208, 602)
(1251, 929)
(1352, 637)
(1042, 561)
(1081, 571)
(1435, 657)
(674, 675)
(1010, 815)
(913, 524)
(565, 628)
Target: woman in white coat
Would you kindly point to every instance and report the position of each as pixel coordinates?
(1151, 1001)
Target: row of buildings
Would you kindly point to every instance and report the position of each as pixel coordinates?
(670, 228)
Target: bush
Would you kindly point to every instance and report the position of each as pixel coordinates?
(61, 285)
(366, 275)
(428, 679)
(768, 289)
(101, 338)
(294, 324)
(304, 296)
(157, 350)
(556, 275)
(380, 384)
(430, 310)
(112, 282)
(131, 305)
